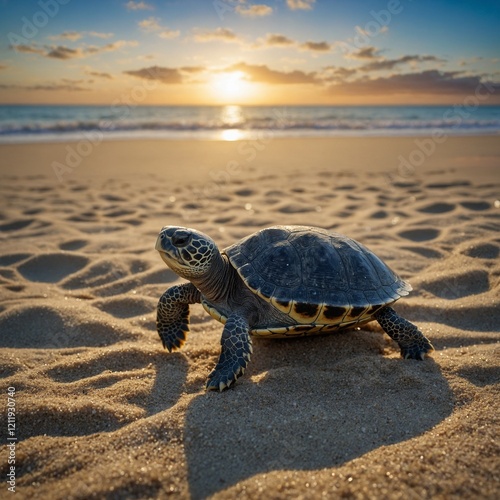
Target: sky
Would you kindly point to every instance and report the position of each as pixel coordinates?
(262, 52)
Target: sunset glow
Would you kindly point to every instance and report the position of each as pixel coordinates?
(277, 52)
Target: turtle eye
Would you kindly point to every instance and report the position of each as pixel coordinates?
(181, 238)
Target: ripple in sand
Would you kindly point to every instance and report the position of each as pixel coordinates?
(45, 327)
(453, 287)
(424, 234)
(12, 258)
(437, 208)
(53, 267)
(16, 225)
(483, 251)
(73, 245)
(476, 205)
(127, 307)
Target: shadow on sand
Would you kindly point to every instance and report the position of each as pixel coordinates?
(317, 406)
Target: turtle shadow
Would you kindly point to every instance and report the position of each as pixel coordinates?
(310, 417)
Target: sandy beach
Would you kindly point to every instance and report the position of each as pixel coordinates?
(103, 411)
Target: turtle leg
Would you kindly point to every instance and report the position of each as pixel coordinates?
(234, 356)
(172, 317)
(413, 343)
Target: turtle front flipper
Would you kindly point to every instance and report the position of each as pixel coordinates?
(413, 343)
(235, 354)
(172, 318)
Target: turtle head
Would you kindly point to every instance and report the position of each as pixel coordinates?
(189, 253)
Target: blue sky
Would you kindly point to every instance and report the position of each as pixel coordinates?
(242, 51)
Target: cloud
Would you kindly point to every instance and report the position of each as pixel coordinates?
(152, 25)
(73, 36)
(62, 52)
(57, 87)
(138, 6)
(276, 40)
(219, 34)
(99, 74)
(300, 4)
(263, 74)
(100, 35)
(162, 74)
(67, 35)
(169, 34)
(429, 82)
(387, 64)
(369, 52)
(316, 46)
(338, 73)
(256, 10)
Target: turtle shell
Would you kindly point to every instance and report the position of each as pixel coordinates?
(314, 276)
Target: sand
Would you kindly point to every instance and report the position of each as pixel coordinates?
(102, 411)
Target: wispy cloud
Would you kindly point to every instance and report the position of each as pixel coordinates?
(219, 34)
(164, 74)
(364, 53)
(275, 40)
(98, 74)
(264, 74)
(67, 35)
(300, 4)
(74, 36)
(256, 10)
(316, 46)
(152, 25)
(100, 35)
(388, 64)
(138, 6)
(278, 40)
(63, 52)
(429, 82)
(51, 87)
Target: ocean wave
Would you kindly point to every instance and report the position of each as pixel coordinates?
(249, 125)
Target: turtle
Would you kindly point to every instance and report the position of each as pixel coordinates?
(282, 281)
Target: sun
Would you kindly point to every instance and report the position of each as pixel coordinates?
(231, 87)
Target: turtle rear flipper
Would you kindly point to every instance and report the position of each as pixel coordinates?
(413, 343)
(234, 356)
(172, 318)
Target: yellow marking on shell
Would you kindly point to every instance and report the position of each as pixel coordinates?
(281, 306)
(214, 313)
(305, 314)
(331, 315)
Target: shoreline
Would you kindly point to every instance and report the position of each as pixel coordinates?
(192, 161)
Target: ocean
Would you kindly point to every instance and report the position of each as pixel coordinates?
(46, 123)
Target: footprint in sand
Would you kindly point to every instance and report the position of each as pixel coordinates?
(424, 234)
(454, 287)
(475, 205)
(9, 259)
(51, 267)
(45, 327)
(16, 225)
(483, 251)
(437, 208)
(127, 307)
(73, 245)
